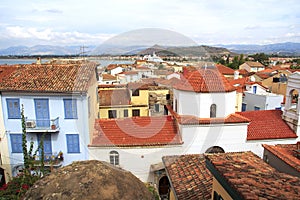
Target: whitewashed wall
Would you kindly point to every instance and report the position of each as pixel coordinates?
(189, 103)
(263, 101)
(137, 160)
(198, 138)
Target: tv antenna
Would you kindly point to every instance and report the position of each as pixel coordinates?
(82, 50)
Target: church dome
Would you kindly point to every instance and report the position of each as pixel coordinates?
(205, 80)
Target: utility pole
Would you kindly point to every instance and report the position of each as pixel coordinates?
(82, 50)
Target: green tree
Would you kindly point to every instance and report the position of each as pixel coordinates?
(261, 57)
(18, 185)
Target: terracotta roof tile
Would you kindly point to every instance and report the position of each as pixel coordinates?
(140, 85)
(129, 72)
(136, 131)
(205, 81)
(189, 176)
(6, 70)
(267, 124)
(112, 66)
(286, 152)
(225, 70)
(114, 97)
(254, 64)
(251, 178)
(108, 77)
(243, 72)
(49, 78)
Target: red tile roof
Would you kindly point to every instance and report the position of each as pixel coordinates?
(140, 85)
(112, 66)
(112, 86)
(189, 176)
(49, 78)
(254, 64)
(129, 72)
(286, 152)
(243, 72)
(192, 120)
(6, 70)
(205, 81)
(225, 70)
(250, 177)
(108, 77)
(136, 131)
(114, 97)
(267, 124)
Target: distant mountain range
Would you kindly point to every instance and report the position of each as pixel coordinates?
(286, 49)
(281, 49)
(41, 50)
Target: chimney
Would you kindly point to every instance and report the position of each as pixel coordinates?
(38, 61)
(298, 145)
(236, 74)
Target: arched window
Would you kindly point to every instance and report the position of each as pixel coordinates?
(294, 99)
(215, 149)
(114, 158)
(213, 110)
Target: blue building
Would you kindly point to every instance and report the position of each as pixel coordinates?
(60, 102)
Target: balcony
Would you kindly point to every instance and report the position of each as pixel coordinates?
(50, 160)
(42, 125)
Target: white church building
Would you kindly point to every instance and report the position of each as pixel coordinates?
(201, 119)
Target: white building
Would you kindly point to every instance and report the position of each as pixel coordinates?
(203, 119)
(257, 97)
(153, 58)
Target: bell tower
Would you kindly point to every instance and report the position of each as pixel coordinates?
(291, 111)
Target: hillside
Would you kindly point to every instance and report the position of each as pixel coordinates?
(192, 51)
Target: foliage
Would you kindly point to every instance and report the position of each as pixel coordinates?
(153, 191)
(236, 62)
(18, 186)
(260, 57)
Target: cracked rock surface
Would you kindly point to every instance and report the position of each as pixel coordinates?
(88, 180)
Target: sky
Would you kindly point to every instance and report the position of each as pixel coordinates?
(91, 22)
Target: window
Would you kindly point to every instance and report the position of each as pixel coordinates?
(213, 110)
(114, 158)
(136, 92)
(13, 108)
(176, 105)
(256, 108)
(126, 113)
(254, 89)
(135, 112)
(168, 97)
(112, 114)
(16, 143)
(73, 143)
(89, 106)
(156, 107)
(70, 106)
(244, 107)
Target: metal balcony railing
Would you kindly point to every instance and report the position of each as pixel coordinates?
(42, 125)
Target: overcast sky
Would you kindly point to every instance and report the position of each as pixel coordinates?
(90, 22)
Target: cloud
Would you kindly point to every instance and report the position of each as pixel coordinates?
(56, 11)
(48, 36)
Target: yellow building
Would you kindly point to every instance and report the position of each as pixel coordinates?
(5, 167)
(119, 101)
